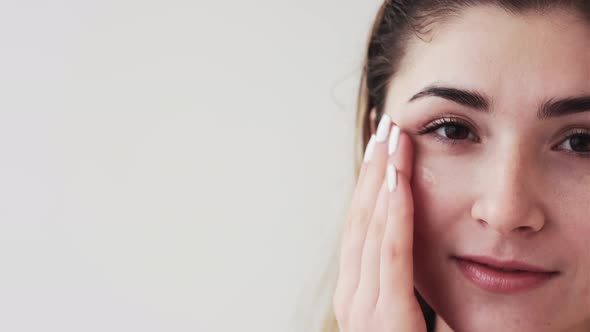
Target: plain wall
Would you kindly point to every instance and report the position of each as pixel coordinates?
(173, 165)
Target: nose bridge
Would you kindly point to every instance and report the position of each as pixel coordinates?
(509, 201)
(513, 170)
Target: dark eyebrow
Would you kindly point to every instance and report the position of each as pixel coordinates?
(479, 102)
(471, 99)
(561, 107)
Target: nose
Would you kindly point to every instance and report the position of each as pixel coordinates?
(508, 201)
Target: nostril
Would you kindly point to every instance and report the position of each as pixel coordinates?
(523, 228)
(519, 229)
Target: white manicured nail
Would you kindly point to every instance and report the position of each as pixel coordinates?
(369, 149)
(383, 128)
(391, 177)
(393, 140)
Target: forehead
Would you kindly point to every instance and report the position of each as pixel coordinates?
(517, 60)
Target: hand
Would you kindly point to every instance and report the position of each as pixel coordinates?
(375, 288)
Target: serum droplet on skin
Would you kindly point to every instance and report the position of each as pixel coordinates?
(426, 176)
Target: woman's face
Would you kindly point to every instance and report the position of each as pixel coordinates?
(513, 186)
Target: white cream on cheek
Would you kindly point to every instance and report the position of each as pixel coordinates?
(426, 176)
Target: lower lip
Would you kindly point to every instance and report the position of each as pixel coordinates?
(501, 281)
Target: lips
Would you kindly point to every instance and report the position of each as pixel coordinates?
(510, 266)
(505, 277)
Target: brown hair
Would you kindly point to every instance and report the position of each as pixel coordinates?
(396, 22)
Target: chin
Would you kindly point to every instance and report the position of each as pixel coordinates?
(467, 310)
(481, 321)
(465, 313)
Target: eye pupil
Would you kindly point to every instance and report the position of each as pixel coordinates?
(580, 143)
(456, 132)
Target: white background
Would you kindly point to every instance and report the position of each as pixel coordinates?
(173, 165)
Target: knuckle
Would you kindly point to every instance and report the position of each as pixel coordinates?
(395, 253)
(376, 229)
(359, 219)
(362, 215)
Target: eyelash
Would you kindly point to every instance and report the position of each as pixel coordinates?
(445, 121)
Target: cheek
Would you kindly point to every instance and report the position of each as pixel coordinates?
(440, 205)
(567, 211)
(441, 192)
(573, 225)
(573, 228)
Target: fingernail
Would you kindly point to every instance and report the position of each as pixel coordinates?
(391, 177)
(369, 149)
(393, 140)
(383, 128)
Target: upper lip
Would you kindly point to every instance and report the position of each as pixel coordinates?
(499, 264)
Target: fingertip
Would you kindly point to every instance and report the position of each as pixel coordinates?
(404, 155)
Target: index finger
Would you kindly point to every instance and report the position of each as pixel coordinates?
(396, 267)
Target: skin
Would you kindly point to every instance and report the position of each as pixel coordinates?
(509, 195)
(513, 192)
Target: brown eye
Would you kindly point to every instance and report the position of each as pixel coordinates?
(449, 130)
(454, 131)
(579, 143)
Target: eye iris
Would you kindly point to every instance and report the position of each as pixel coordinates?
(580, 143)
(456, 131)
